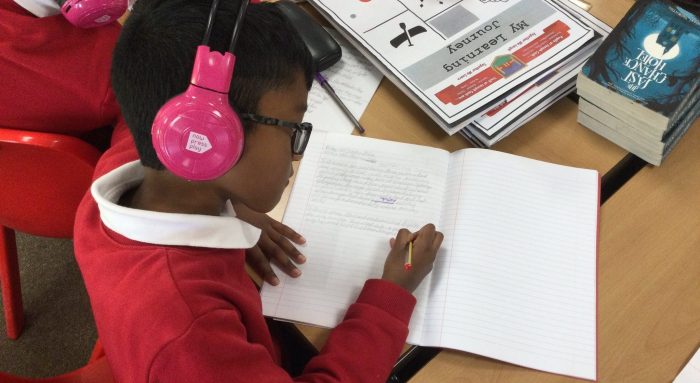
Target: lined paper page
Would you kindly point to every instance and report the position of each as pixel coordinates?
(351, 195)
(521, 279)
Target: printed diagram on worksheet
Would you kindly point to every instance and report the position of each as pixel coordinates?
(459, 55)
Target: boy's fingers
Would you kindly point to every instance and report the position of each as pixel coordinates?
(403, 237)
(427, 230)
(261, 265)
(424, 237)
(287, 247)
(286, 264)
(427, 236)
(278, 255)
(288, 232)
(437, 241)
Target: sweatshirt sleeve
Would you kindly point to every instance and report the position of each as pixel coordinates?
(362, 348)
(55, 76)
(369, 340)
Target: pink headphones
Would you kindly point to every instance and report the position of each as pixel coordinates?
(196, 134)
(93, 13)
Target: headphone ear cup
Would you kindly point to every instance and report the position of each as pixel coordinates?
(197, 135)
(93, 13)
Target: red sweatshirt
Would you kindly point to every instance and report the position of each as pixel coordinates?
(176, 313)
(55, 77)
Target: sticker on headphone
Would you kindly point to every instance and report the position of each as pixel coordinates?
(198, 143)
(103, 19)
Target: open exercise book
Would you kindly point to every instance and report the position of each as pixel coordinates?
(515, 278)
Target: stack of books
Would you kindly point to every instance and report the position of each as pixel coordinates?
(641, 89)
(480, 68)
(519, 107)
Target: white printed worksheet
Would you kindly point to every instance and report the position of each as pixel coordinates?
(457, 56)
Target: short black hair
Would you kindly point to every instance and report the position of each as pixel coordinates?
(155, 53)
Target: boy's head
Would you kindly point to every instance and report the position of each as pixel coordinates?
(155, 53)
(154, 56)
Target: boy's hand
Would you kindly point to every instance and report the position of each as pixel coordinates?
(426, 243)
(274, 245)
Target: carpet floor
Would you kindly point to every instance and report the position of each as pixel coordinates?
(59, 330)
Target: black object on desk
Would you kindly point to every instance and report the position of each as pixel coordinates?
(323, 47)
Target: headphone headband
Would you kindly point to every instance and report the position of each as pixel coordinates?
(236, 27)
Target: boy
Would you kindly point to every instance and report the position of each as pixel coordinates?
(163, 258)
(55, 76)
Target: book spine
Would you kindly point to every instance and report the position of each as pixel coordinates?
(640, 138)
(687, 122)
(687, 103)
(617, 138)
(614, 103)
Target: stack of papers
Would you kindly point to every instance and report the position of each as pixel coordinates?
(478, 68)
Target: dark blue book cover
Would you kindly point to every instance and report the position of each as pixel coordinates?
(652, 56)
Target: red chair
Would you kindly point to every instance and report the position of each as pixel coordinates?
(43, 177)
(95, 371)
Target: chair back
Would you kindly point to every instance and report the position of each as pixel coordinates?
(43, 177)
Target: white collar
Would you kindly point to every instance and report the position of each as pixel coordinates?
(223, 232)
(40, 8)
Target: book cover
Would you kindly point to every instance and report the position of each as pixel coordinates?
(652, 57)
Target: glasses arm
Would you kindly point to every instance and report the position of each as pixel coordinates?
(268, 121)
(236, 27)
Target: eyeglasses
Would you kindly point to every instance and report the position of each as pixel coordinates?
(302, 130)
